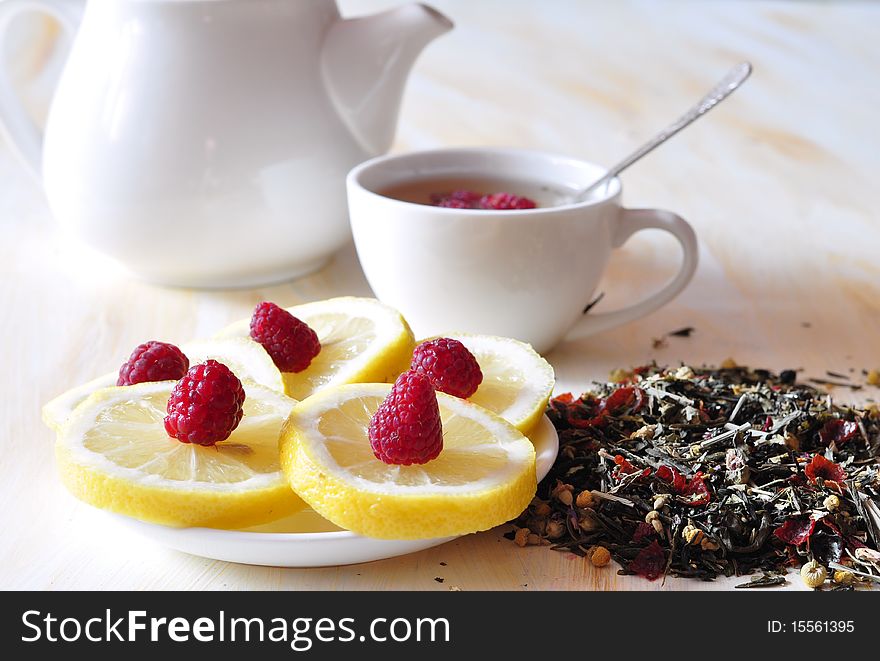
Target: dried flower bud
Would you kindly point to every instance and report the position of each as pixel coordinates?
(728, 364)
(813, 574)
(844, 577)
(660, 501)
(874, 377)
(684, 372)
(645, 432)
(587, 522)
(537, 526)
(653, 517)
(692, 534)
(600, 556)
(555, 529)
(585, 499)
(534, 540)
(521, 538)
(709, 545)
(542, 509)
(620, 375)
(831, 503)
(562, 493)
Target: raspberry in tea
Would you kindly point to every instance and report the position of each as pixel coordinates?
(477, 193)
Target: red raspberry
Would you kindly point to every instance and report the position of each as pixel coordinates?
(457, 199)
(472, 197)
(289, 341)
(450, 366)
(406, 428)
(506, 201)
(452, 203)
(205, 405)
(153, 361)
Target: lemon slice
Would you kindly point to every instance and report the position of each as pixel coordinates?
(114, 453)
(362, 340)
(57, 411)
(247, 360)
(484, 476)
(517, 381)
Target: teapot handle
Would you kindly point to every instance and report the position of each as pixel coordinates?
(16, 126)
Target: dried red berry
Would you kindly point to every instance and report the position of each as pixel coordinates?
(642, 532)
(704, 414)
(851, 542)
(406, 428)
(590, 412)
(820, 467)
(506, 202)
(623, 400)
(289, 341)
(564, 398)
(205, 405)
(450, 366)
(650, 563)
(624, 467)
(673, 477)
(796, 530)
(838, 431)
(582, 414)
(696, 492)
(153, 361)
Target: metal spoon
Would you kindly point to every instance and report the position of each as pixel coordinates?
(734, 78)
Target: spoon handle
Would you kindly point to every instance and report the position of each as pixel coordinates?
(725, 87)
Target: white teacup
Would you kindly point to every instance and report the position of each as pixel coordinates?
(525, 274)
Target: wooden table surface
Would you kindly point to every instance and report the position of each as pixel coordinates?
(780, 184)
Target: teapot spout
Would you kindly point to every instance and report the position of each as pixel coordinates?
(366, 62)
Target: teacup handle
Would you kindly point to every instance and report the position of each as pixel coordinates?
(22, 133)
(632, 221)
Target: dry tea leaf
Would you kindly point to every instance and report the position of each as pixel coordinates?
(740, 469)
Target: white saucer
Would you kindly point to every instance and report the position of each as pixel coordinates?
(306, 539)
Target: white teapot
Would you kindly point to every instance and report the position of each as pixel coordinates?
(205, 142)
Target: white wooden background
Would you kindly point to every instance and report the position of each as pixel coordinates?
(780, 184)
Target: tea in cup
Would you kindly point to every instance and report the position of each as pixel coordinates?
(522, 272)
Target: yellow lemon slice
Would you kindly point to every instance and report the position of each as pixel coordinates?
(362, 340)
(114, 453)
(247, 360)
(517, 381)
(484, 476)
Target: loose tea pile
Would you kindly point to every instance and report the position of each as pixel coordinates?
(706, 472)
